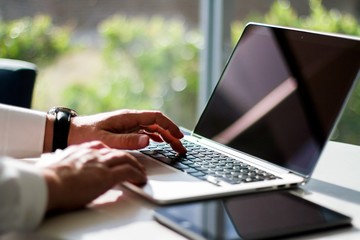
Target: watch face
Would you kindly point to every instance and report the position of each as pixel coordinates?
(55, 110)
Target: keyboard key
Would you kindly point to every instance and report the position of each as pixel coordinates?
(206, 164)
(179, 166)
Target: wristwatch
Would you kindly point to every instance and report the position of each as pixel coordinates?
(63, 117)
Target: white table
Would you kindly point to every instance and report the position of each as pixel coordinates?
(123, 215)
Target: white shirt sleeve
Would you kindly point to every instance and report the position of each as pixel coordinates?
(21, 132)
(23, 194)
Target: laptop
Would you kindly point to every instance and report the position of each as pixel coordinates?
(269, 117)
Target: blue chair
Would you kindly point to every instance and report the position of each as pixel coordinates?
(17, 80)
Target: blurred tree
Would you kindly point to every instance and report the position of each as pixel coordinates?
(151, 64)
(36, 39)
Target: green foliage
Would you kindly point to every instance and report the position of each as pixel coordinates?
(151, 64)
(320, 19)
(33, 39)
(330, 20)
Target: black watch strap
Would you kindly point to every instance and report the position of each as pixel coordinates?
(61, 126)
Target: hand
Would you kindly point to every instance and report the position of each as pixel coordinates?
(83, 172)
(126, 129)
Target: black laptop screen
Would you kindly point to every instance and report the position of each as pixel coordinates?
(280, 95)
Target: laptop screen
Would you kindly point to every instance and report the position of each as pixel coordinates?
(280, 94)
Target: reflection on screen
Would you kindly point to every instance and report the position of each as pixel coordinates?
(280, 95)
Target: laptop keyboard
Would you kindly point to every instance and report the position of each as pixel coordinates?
(207, 164)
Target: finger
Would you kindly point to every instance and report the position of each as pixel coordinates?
(117, 158)
(83, 155)
(72, 151)
(152, 135)
(91, 144)
(129, 141)
(174, 142)
(128, 173)
(155, 137)
(95, 145)
(69, 156)
(95, 165)
(177, 146)
(135, 119)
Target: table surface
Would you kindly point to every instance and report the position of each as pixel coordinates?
(121, 214)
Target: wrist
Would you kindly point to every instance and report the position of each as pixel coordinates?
(75, 132)
(61, 126)
(49, 130)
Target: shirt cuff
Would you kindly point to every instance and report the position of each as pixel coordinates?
(32, 194)
(22, 132)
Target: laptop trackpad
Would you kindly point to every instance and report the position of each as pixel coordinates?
(166, 184)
